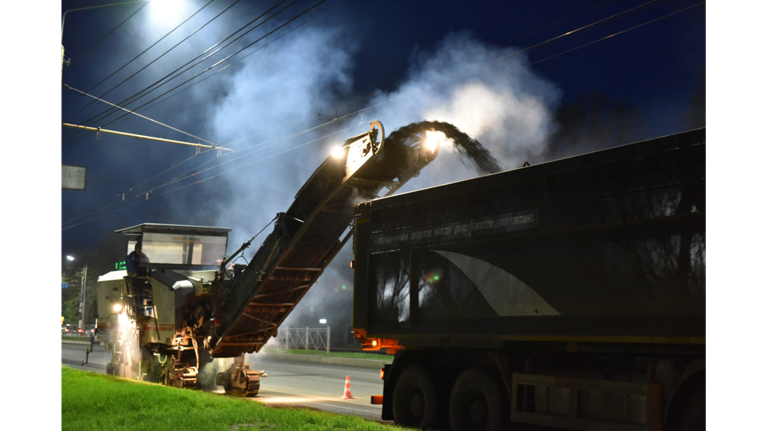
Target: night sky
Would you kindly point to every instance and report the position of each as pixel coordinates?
(531, 81)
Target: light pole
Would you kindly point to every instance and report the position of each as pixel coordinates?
(64, 17)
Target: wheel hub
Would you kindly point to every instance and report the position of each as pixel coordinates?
(478, 411)
(417, 405)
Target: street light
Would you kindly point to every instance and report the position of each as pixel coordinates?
(70, 258)
(64, 17)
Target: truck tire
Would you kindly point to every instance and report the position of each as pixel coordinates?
(414, 403)
(475, 402)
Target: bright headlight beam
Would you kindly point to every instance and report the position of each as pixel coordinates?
(432, 141)
(337, 152)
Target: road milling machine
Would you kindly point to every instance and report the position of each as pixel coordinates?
(196, 305)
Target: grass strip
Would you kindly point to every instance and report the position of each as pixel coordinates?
(93, 401)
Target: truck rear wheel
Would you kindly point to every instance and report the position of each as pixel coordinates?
(414, 403)
(475, 402)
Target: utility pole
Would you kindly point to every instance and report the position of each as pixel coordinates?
(81, 325)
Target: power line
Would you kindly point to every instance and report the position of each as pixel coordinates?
(157, 58)
(155, 85)
(139, 115)
(500, 58)
(226, 58)
(532, 47)
(618, 33)
(577, 30)
(242, 58)
(203, 152)
(73, 62)
(557, 22)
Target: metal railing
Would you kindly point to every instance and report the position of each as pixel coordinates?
(304, 338)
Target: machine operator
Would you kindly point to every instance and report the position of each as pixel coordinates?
(136, 262)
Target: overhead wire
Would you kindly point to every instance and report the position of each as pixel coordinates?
(566, 34)
(153, 61)
(139, 115)
(618, 33)
(280, 139)
(159, 83)
(227, 58)
(147, 49)
(242, 58)
(79, 57)
(633, 9)
(348, 104)
(202, 152)
(557, 22)
(252, 52)
(339, 131)
(532, 47)
(205, 151)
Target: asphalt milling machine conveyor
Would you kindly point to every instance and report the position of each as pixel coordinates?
(238, 310)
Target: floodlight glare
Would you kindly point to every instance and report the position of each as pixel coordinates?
(337, 153)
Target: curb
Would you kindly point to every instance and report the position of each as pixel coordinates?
(77, 341)
(351, 362)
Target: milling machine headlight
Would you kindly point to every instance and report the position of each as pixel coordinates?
(431, 143)
(338, 152)
(117, 307)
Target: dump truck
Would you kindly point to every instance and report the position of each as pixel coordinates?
(569, 293)
(195, 305)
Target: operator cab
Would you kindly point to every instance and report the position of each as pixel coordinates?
(179, 247)
(171, 252)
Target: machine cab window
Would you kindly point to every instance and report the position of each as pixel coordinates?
(179, 246)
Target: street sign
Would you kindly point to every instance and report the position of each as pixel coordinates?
(65, 285)
(73, 177)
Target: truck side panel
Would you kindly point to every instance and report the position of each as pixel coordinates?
(608, 246)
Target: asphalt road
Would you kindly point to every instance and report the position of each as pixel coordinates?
(290, 383)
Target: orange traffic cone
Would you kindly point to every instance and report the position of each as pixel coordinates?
(347, 392)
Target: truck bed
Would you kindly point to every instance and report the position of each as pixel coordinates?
(603, 247)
